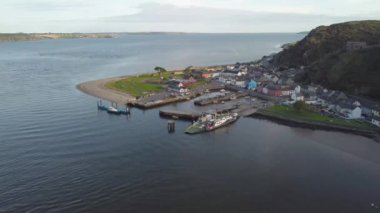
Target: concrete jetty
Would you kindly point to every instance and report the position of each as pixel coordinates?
(179, 114)
(157, 103)
(245, 112)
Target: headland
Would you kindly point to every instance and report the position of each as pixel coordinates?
(277, 86)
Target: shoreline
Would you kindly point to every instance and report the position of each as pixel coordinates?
(97, 88)
(317, 126)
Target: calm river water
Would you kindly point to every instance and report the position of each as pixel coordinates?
(58, 153)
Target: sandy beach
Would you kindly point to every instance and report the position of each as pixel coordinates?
(98, 89)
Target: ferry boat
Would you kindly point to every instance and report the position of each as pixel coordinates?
(210, 122)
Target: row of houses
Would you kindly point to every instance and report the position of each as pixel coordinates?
(251, 76)
(339, 104)
(235, 75)
(272, 82)
(277, 90)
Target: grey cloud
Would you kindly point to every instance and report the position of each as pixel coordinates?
(45, 5)
(223, 19)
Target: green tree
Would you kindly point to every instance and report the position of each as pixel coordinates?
(188, 71)
(300, 106)
(160, 70)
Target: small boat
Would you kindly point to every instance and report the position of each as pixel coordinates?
(210, 122)
(113, 110)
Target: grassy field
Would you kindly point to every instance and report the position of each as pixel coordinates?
(287, 112)
(142, 84)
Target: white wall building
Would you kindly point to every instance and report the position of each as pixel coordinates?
(355, 113)
(376, 121)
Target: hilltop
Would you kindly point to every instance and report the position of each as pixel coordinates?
(328, 60)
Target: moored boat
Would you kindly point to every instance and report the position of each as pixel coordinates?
(113, 110)
(210, 122)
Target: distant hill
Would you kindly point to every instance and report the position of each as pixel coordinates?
(304, 32)
(327, 61)
(9, 37)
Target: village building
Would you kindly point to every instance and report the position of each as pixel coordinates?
(273, 78)
(374, 109)
(340, 104)
(277, 90)
(256, 75)
(352, 112)
(376, 121)
(231, 73)
(285, 81)
(179, 86)
(333, 97)
(369, 107)
(297, 89)
(252, 85)
(346, 110)
(240, 83)
(296, 97)
(312, 100)
(200, 74)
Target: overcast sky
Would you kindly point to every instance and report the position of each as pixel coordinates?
(180, 15)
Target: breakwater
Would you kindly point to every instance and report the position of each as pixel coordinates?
(316, 125)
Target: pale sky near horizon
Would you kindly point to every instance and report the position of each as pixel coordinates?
(180, 15)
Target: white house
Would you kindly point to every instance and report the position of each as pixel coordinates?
(296, 97)
(178, 90)
(353, 113)
(230, 67)
(230, 73)
(265, 90)
(215, 74)
(241, 84)
(297, 90)
(176, 85)
(287, 92)
(376, 121)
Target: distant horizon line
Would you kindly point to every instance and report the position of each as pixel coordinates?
(153, 32)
